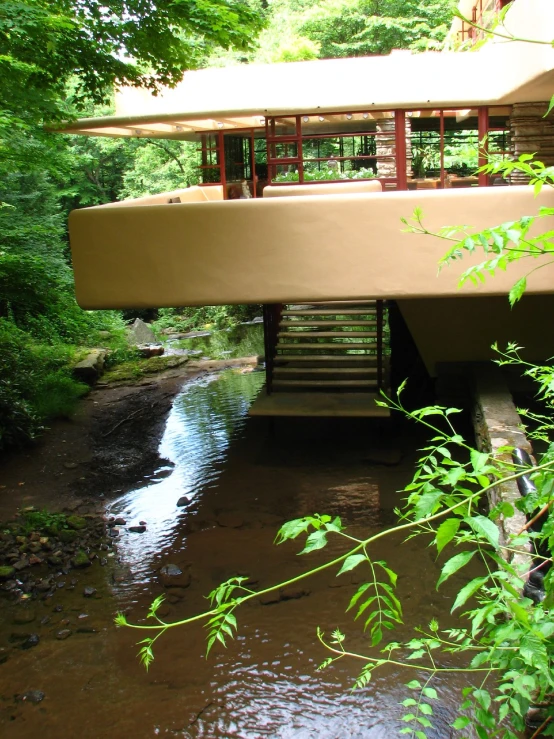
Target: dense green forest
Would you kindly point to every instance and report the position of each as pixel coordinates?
(61, 59)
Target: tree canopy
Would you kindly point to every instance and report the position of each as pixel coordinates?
(310, 29)
(43, 43)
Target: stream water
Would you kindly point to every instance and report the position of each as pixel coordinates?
(235, 484)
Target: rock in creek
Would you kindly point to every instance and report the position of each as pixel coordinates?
(63, 634)
(150, 350)
(89, 591)
(140, 333)
(81, 559)
(137, 529)
(292, 592)
(31, 696)
(31, 641)
(76, 522)
(25, 616)
(172, 576)
(6, 572)
(230, 520)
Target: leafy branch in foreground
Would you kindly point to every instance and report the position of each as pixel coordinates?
(506, 639)
(504, 244)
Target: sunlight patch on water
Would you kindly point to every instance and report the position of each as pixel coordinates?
(206, 416)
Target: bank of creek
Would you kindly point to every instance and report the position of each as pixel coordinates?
(235, 483)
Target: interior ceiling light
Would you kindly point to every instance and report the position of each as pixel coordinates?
(137, 132)
(306, 118)
(178, 128)
(321, 118)
(262, 120)
(219, 124)
(366, 116)
(349, 116)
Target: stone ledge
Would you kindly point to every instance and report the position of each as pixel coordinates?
(497, 424)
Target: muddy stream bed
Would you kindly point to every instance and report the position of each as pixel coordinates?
(235, 483)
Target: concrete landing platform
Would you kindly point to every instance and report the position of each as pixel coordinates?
(309, 405)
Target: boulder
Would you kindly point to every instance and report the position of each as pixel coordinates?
(150, 350)
(81, 560)
(172, 576)
(91, 367)
(141, 333)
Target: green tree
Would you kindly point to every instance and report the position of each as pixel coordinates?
(346, 28)
(43, 43)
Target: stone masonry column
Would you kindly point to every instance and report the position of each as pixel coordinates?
(531, 133)
(385, 144)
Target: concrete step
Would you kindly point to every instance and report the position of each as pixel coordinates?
(329, 323)
(322, 404)
(339, 346)
(358, 358)
(326, 383)
(325, 370)
(329, 312)
(326, 334)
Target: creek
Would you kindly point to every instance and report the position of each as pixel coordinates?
(235, 484)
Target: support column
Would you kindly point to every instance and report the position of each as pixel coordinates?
(531, 133)
(385, 144)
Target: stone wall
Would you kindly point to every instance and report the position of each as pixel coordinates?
(531, 133)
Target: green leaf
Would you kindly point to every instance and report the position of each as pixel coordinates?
(461, 722)
(467, 591)
(427, 504)
(358, 594)
(485, 528)
(430, 693)
(413, 685)
(446, 532)
(316, 540)
(453, 565)
(426, 709)
(376, 635)
(292, 529)
(350, 562)
(479, 461)
(392, 575)
(517, 290)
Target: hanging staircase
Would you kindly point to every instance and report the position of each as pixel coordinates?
(324, 358)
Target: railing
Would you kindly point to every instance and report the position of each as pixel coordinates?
(272, 318)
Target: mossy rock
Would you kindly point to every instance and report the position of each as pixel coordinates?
(68, 536)
(81, 559)
(76, 522)
(6, 572)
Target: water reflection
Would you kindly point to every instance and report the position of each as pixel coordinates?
(241, 341)
(238, 484)
(206, 416)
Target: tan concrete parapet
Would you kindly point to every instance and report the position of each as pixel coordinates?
(275, 250)
(323, 188)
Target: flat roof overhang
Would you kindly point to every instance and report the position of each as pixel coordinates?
(243, 96)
